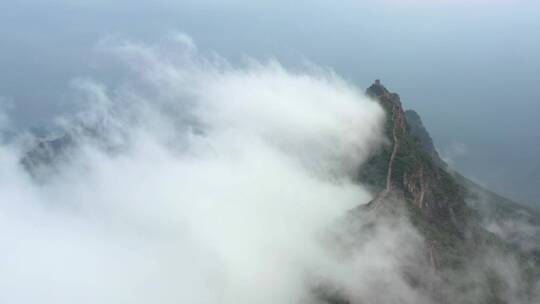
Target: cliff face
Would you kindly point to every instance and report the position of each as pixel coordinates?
(418, 130)
(407, 169)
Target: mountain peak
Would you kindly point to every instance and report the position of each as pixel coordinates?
(406, 169)
(377, 89)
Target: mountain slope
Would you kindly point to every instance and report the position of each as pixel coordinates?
(409, 170)
(460, 221)
(418, 130)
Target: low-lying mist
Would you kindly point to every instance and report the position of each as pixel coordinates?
(191, 181)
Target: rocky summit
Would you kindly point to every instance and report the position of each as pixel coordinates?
(409, 167)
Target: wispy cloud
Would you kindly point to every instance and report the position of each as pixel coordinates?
(206, 184)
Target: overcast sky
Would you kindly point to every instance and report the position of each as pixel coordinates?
(470, 68)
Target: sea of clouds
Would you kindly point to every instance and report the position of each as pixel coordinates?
(190, 181)
(193, 180)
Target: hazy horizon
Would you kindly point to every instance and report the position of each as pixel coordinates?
(227, 152)
(469, 68)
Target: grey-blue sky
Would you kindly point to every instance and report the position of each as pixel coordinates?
(470, 68)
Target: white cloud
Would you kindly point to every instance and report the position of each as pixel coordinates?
(206, 184)
(195, 181)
